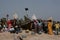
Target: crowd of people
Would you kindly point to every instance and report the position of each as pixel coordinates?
(47, 27)
(10, 26)
(37, 27)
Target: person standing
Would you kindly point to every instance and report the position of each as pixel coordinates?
(9, 24)
(39, 29)
(35, 25)
(50, 31)
(57, 27)
(45, 27)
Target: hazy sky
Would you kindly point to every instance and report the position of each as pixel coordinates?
(41, 8)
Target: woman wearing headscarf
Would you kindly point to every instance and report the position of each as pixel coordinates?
(50, 31)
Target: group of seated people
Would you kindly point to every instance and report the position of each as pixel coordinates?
(12, 29)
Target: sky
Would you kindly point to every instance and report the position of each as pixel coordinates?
(41, 8)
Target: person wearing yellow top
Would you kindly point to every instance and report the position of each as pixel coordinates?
(50, 31)
(57, 27)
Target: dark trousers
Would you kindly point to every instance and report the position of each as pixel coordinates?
(57, 29)
(45, 29)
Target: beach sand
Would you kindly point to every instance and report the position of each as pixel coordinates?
(9, 36)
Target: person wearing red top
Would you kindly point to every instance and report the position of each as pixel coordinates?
(9, 24)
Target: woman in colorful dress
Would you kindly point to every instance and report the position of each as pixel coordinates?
(50, 31)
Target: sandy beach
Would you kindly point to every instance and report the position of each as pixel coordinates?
(9, 36)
